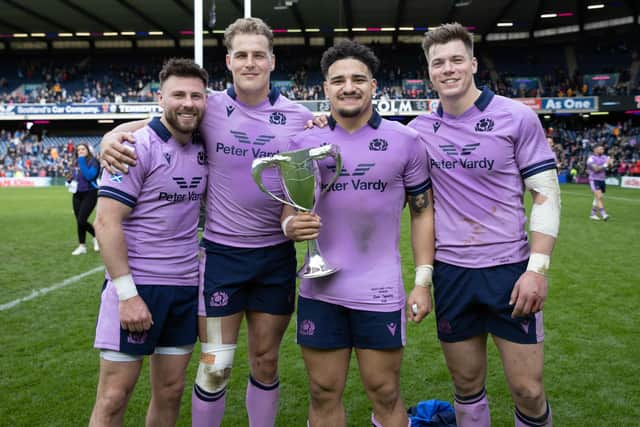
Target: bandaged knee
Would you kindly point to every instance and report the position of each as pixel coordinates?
(216, 361)
(545, 216)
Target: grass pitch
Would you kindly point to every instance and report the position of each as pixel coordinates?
(50, 370)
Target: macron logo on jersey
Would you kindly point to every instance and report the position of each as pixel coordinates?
(243, 138)
(182, 183)
(247, 146)
(464, 163)
(360, 170)
(450, 149)
(230, 109)
(189, 196)
(356, 184)
(202, 158)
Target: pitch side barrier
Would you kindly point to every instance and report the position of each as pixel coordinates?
(390, 107)
(31, 181)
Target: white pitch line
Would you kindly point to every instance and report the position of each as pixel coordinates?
(606, 196)
(38, 292)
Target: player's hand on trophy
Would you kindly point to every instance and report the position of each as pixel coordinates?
(134, 314)
(302, 226)
(529, 294)
(319, 121)
(114, 155)
(419, 304)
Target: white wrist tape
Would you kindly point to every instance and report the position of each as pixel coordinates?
(538, 263)
(545, 216)
(424, 274)
(125, 287)
(284, 224)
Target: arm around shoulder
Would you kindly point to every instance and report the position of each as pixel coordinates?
(114, 154)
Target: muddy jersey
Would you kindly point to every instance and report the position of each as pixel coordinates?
(382, 162)
(478, 161)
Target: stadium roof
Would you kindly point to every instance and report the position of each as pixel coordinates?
(174, 18)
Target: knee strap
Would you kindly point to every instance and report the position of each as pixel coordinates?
(214, 369)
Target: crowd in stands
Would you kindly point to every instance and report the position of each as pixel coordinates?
(573, 144)
(104, 79)
(559, 84)
(539, 73)
(23, 154)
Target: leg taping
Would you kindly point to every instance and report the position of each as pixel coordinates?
(216, 361)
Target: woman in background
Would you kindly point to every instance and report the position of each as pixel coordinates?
(85, 196)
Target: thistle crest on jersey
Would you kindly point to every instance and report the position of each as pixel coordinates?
(378, 144)
(484, 125)
(277, 118)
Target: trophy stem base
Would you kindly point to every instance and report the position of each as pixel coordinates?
(305, 273)
(315, 267)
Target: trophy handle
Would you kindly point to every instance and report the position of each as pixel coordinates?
(259, 165)
(330, 150)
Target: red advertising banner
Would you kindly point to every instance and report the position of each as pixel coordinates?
(534, 103)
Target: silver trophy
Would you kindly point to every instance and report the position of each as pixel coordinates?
(301, 181)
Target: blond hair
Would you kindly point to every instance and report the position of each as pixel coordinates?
(247, 26)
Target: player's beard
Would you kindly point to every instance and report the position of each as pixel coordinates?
(174, 121)
(352, 111)
(349, 113)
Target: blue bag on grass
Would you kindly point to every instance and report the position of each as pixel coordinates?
(432, 413)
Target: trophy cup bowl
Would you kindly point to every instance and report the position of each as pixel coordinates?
(301, 182)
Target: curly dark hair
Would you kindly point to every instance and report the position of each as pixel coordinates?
(183, 67)
(349, 49)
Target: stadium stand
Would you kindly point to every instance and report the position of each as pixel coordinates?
(23, 154)
(573, 143)
(553, 70)
(31, 154)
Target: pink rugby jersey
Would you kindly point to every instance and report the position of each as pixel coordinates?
(478, 162)
(164, 191)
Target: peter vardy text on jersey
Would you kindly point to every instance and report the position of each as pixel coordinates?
(191, 196)
(357, 185)
(232, 150)
(465, 164)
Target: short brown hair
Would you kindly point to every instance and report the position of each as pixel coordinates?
(247, 26)
(183, 67)
(446, 33)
